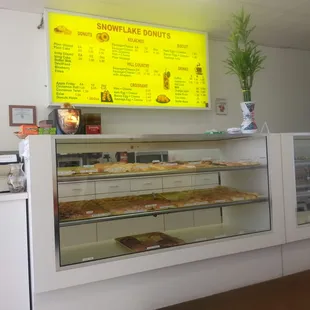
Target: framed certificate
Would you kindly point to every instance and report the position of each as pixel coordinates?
(22, 115)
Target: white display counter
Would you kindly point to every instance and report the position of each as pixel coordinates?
(264, 222)
(151, 280)
(14, 275)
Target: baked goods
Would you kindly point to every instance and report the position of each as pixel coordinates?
(154, 202)
(102, 37)
(134, 204)
(75, 210)
(106, 96)
(162, 99)
(149, 241)
(123, 168)
(219, 194)
(62, 29)
(235, 163)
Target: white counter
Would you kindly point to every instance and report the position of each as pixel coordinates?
(12, 196)
(14, 246)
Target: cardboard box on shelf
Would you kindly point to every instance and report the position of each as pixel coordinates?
(28, 130)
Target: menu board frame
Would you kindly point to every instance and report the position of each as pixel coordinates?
(142, 24)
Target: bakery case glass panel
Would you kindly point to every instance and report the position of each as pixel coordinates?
(118, 197)
(302, 176)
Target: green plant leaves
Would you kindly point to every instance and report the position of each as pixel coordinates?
(244, 56)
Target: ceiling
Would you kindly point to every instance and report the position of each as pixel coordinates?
(280, 23)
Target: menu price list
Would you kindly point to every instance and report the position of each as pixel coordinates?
(126, 70)
(71, 91)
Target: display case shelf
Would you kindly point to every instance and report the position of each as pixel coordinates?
(159, 212)
(111, 248)
(300, 163)
(92, 177)
(303, 217)
(302, 186)
(102, 139)
(305, 194)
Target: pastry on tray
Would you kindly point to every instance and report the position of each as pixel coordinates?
(134, 204)
(128, 209)
(219, 194)
(120, 167)
(149, 241)
(67, 211)
(74, 210)
(235, 163)
(152, 202)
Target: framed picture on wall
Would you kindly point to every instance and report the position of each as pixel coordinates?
(22, 115)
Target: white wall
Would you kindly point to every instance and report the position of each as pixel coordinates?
(22, 69)
(281, 91)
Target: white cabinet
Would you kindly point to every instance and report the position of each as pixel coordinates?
(144, 184)
(177, 181)
(111, 186)
(76, 189)
(205, 179)
(14, 278)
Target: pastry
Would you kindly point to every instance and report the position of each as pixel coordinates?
(140, 168)
(149, 241)
(162, 99)
(102, 37)
(144, 203)
(250, 196)
(62, 29)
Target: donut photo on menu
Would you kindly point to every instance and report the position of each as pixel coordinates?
(102, 37)
(62, 29)
(166, 77)
(106, 96)
(162, 99)
(198, 69)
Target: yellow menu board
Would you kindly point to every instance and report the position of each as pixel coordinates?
(108, 63)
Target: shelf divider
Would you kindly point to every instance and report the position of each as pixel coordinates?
(92, 177)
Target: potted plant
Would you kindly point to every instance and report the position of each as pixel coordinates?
(245, 60)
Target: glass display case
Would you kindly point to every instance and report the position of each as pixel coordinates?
(106, 206)
(205, 189)
(302, 177)
(296, 183)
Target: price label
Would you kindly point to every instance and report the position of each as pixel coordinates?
(200, 239)
(153, 247)
(87, 259)
(220, 236)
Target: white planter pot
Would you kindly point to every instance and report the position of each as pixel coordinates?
(248, 125)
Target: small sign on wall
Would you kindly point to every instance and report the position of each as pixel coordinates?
(221, 106)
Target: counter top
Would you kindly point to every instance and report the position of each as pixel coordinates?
(13, 196)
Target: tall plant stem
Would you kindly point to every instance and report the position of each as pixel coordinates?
(246, 95)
